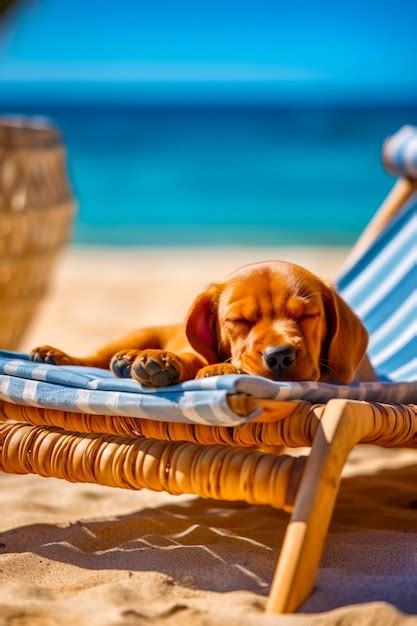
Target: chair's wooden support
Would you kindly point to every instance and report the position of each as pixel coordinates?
(398, 196)
(343, 424)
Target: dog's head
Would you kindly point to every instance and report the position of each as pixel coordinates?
(278, 320)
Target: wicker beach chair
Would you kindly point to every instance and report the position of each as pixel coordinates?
(36, 214)
(199, 437)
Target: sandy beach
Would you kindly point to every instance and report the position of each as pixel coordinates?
(89, 555)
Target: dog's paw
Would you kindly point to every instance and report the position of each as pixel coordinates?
(157, 368)
(121, 363)
(52, 356)
(218, 369)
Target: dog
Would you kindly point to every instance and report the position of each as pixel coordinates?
(272, 319)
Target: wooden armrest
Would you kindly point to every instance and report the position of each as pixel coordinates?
(272, 410)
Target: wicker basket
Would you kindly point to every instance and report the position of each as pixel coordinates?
(36, 211)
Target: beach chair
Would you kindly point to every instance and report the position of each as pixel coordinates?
(210, 437)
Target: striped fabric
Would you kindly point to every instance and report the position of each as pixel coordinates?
(400, 152)
(90, 390)
(381, 286)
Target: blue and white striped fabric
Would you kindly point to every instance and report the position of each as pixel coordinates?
(399, 152)
(380, 286)
(91, 390)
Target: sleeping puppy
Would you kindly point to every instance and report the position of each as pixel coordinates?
(272, 319)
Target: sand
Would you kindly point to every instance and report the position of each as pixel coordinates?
(91, 555)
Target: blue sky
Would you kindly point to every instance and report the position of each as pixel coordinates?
(107, 50)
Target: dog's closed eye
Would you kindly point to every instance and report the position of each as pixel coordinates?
(309, 316)
(238, 321)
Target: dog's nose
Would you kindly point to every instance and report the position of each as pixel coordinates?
(279, 358)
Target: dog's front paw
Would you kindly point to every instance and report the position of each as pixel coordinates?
(121, 363)
(157, 368)
(52, 356)
(218, 369)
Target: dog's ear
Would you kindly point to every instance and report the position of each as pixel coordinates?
(346, 341)
(201, 324)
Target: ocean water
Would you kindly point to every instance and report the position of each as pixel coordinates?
(225, 175)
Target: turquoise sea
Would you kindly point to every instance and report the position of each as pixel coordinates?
(235, 175)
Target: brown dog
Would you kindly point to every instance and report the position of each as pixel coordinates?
(271, 319)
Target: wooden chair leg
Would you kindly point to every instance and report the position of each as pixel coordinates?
(343, 425)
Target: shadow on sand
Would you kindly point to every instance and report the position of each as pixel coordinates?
(370, 554)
